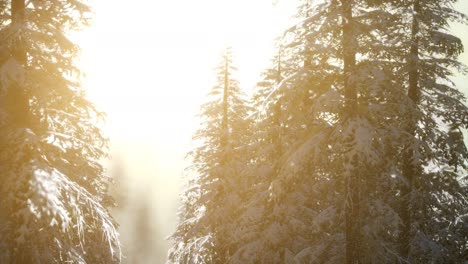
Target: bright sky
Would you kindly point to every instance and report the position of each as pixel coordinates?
(150, 62)
(149, 65)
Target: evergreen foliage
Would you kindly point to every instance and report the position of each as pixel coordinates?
(433, 199)
(213, 196)
(53, 192)
(357, 154)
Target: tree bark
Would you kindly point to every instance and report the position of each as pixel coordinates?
(410, 167)
(17, 101)
(17, 11)
(220, 244)
(277, 115)
(225, 125)
(352, 217)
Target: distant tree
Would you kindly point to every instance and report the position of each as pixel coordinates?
(143, 235)
(211, 200)
(119, 189)
(53, 192)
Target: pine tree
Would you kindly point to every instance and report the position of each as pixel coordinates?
(211, 200)
(378, 114)
(264, 149)
(277, 220)
(54, 201)
(432, 197)
(359, 153)
(330, 193)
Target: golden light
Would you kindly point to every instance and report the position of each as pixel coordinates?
(149, 65)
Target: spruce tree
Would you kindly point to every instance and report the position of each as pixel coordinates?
(432, 196)
(358, 155)
(212, 198)
(330, 192)
(390, 97)
(265, 147)
(54, 201)
(278, 217)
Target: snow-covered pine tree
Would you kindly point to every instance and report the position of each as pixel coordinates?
(265, 148)
(212, 199)
(433, 201)
(277, 219)
(53, 192)
(335, 139)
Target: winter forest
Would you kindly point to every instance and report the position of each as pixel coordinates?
(221, 131)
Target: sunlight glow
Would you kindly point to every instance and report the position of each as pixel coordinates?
(149, 65)
(152, 78)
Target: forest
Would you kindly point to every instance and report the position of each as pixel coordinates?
(350, 148)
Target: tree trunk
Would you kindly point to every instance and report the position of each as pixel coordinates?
(410, 167)
(17, 101)
(224, 124)
(17, 11)
(220, 244)
(277, 116)
(352, 217)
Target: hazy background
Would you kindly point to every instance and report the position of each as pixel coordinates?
(148, 64)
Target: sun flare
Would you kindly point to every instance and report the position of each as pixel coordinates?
(151, 79)
(139, 75)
